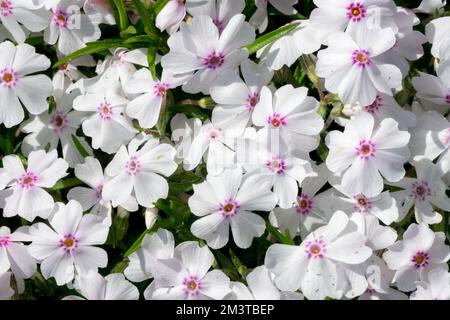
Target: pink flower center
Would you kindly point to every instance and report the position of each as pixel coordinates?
(60, 18)
(420, 260)
(276, 120)
(59, 121)
(252, 101)
(447, 136)
(6, 8)
(229, 208)
(219, 24)
(362, 204)
(420, 190)
(447, 98)
(365, 149)
(214, 134)
(160, 89)
(361, 58)
(214, 60)
(356, 12)
(133, 166)
(304, 204)
(8, 78)
(105, 111)
(68, 243)
(98, 191)
(276, 164)
(375, 106)
(316, 248)
(192, 285)
(27, 180)
(5, 241)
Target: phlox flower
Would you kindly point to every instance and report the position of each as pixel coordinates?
(92, 286)
(437, 33)
(183, 132)
(234, 110)
(22, 191)
(14, 254)
(430, 6)
(412, 258)
(363, 152)
(187, 276)
(260, 287)
(260, 19)
(227, 200)
(425, 192)
(69, 243)
(171, 16)
(316, 266)
(17, 86)
(105, 122)
(200, 53)
(291, 116)
(436, 288)
(91, 173)
(137, 171)
(99, 11)
(6, 292)
(351, 65)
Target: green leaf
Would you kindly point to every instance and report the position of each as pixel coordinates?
(227, 266)
(151, 58)
(66, 184)
(284, 239)
(147, 17)
(79, 146)
(270, 37)
(137, 244)
(183, 182)
(238, 264)
(123, 15)
(6, 145)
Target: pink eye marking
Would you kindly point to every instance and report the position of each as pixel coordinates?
(276, 120)
(375, 106)
(304, 204)
(214, 60)
(229, 208)
(192, 285)
(252, 101)
(316, 248)
(5, 241)
(27, 180)
(60, 18)
(276, 164)
(68, 243)
(366, 149)
(420, 190)
(356, 12)
(59, 121)
(420, 260)
(105, 110)
(160, 89)
(133, 166)
(8, 77)
(361, 58)
(6, 8)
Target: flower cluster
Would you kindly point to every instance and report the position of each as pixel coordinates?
(224, 149)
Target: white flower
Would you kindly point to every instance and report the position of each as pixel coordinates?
(99, 11)
(6, 292)
(48, 130)
(291, 116)
(171, 16)
(151, 96)
(22, 191)
(200, 54)
(187, 277)
(221, 11)
(70, 28)
(16, 15)
(432, 91)
(436, 288)
(420, 251)
(384, 106)
(336, 15)
(14, 254)
(431, 136)
(304, 39)
(138, 172)
(260, 287)
(430, 6)
(228, 199)
(159, 245)
(114, 286)
(183, 133)
(234, 111)
(316, 266)
(305, 215)
(363, 152)
(260, 20)
(69, 243)
(105, 122)
(91, 173)
(425, 192)
(16, 62)
(284, 171)
(351, 67)
(437, 34)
